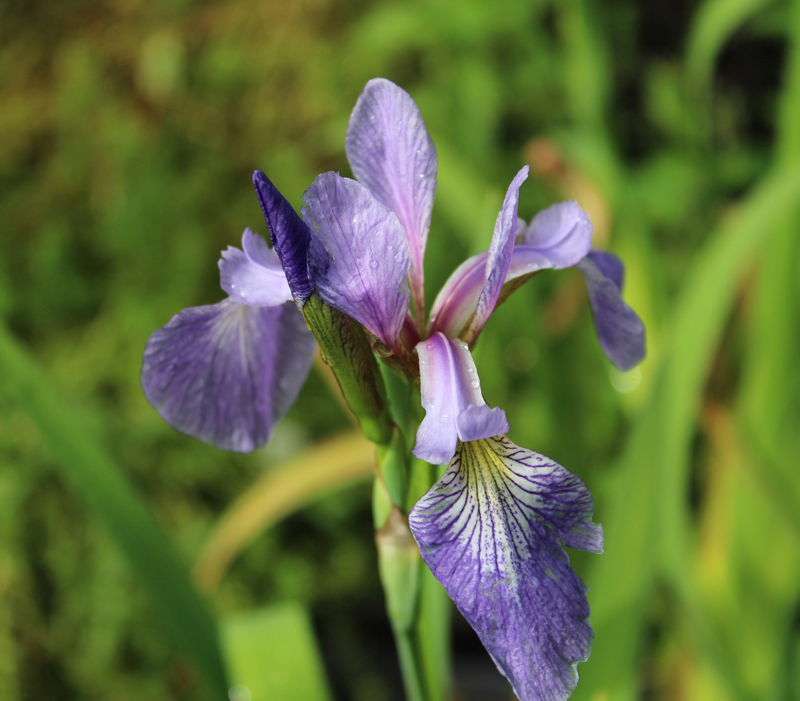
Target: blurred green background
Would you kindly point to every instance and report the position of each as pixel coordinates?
(128, 134)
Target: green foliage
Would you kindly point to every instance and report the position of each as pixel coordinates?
(130, 131)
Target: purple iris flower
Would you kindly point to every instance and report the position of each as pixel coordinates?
(226, 373)
(492, 529)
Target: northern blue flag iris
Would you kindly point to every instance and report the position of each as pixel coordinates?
(492, 529)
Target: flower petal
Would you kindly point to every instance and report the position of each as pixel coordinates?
(391, 152)
(491, 531)
(253, 277)
(619, 329)
(561, 234)
(499, 259)
(289, 234)
(457, 300)
(359, 256)
(226, 373)
(451, 395)
(558, 237)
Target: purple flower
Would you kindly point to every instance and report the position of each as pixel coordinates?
(492, 528)
(228, 372)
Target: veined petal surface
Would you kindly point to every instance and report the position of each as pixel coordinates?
(619, 329)
(226, 373)
(499, 258)
(452, 399)
(289, 235)
(253, 276)
(359, 255)
(391, 152)
(491, 530)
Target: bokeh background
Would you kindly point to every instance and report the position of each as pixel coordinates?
(128, 134)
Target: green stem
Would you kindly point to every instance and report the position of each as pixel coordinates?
(410, 665)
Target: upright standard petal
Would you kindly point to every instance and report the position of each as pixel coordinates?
(491, 531)
(359, 255)
(558, 237)
(619, 329)
(289, 234)
(226, 373)
(505, 230)
(391, 152)
(451, 395)
(253, 276)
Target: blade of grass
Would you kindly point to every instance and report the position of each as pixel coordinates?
(112, 500)
(650, 487)
(332, 464)
(273, 654)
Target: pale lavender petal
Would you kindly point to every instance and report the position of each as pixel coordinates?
(562, 234)
(359, 257)
(619, 329)
(457, 300)
(226, 373)
(254, 276)
(289, 234)
(499, 259)
(452, 399)
(491, 531)
(391, 152)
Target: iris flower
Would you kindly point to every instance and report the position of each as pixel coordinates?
(492, 529)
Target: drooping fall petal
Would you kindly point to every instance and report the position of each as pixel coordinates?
(619, 329)
(227, 373)
(491, 530)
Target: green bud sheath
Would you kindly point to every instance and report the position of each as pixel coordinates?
(347, 350)
(399, 564)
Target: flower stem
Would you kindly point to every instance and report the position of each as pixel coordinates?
(410, 666)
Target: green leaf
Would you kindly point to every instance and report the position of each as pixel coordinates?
(272, 654)
(109, 495)
(331, 464)
(645, 518)
(714, 23)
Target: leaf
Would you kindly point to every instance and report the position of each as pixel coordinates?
(332, 464)
(645, 516)
(109, 495)
(272, 654)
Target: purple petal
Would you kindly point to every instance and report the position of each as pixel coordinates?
(561, 234)
(609, 265)
(451, 395)
(457, 300)
(558, 237)
(491, 531)
(619, 329)
(253, 277)
(289, 234)
(505, 230)
(391, 152)
(226, 373)
(360, 261)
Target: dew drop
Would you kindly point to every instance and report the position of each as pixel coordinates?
(475, 384)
